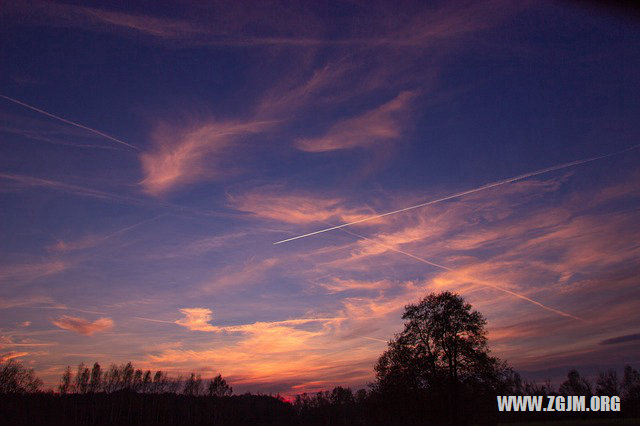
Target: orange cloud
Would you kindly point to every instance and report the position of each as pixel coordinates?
(369, 129)
(183, 156)
(298, 208)
(196, 319)
(11, 355)
(83, 326)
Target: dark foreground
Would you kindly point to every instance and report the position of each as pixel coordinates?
(130, 408)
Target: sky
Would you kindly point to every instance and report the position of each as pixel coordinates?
(152, 153)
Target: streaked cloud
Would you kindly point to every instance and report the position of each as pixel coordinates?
(83, 326)
(186, 155)
(369, 129)
(30, 271)
(621, 339)
(7, 356)
(224, 24)
(276, 204)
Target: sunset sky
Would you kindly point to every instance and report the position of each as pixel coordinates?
(151, 154)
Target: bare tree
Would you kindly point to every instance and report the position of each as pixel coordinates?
(146, 382)
(82, 379)
(193, 385)
(112, 379)
(14, 378)
(160, 383)
(137, 380)
(126, 375)
(66, 383)
(95, 382)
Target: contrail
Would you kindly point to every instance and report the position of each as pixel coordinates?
(470, 191)
(481, 282)
(73, 123)
(373, 338)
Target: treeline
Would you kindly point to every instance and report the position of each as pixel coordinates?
(437, 371)
(126, 378)
(122, 395)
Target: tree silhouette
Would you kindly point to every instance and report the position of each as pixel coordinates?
(607, 383)
(82, 379)
(442, 349)
(219, 387)
(575, 385)
(193, 385)
(95, 382)
(66, 383)
(14, 378)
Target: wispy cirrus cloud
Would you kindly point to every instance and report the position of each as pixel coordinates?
(82, 325)
(275, 203)
(369, 129)
(188, 154)
(31, 271)
(224, 23)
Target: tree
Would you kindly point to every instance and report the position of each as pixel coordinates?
(193, 385)
(146, 382)
(219, 387)
(442, 349)
(607, 383)
(95, 382)
(631, 384)
(575, 385)
(66, 383)
(82, 379)
(15, 378)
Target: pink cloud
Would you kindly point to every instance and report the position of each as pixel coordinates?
(187, 155)
(32, 271)
(369, 129)
(83, 326)
(299, 208)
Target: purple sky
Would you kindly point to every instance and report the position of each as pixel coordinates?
(172, 144)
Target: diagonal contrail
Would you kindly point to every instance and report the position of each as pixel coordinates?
(470, 191)
(73, 123)
(481, 282)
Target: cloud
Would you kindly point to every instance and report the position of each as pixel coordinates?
(366, 130)
(187, 155)
(237, 276)
(337, 285)
(276, 24)
(196, 319)
(279, 351)
(274, 203)
(621, 339)
(7, 356)
(83, 326)
(32, 271)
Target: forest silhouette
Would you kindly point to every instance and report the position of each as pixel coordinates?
(438, 370)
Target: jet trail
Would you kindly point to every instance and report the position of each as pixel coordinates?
(73, 123)
(470, 191)
(481, 282)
